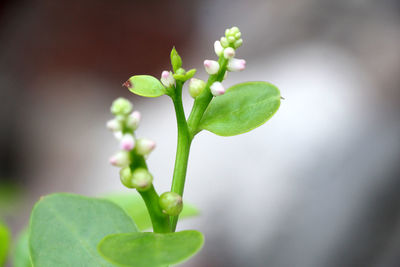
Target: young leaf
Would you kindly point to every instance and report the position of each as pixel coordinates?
(5, 238)
(65, 230)
(22, 257)
(176, 60)
(150, 249)
(145, 85)
(242, 108)
(133, 205)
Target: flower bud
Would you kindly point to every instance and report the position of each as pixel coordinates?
(217, 89)
(235, 64)
(118, 135)
(114, 125)
(141, 179)
(181, 71)
(224, 42)
(211, 66)
(167, 79)
(238, 43)
(125, 175)
(144, 146)
(196, 87)
(127, 142)
(171, 203)
(121, 106)
(229, 52)
(133, 120)
(218, 48)
(120, 159)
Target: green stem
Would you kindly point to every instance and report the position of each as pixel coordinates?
(182, 150)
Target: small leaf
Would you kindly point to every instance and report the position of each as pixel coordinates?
(176, 60)
(242, 108)
(65, 230)
(145, 85)
(21, 253)
(189, 74)
(5, 238)
(132, 203)
(150, 249)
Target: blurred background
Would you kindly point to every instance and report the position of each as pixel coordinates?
(318, 185)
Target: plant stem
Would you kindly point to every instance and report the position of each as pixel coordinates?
(182, 150)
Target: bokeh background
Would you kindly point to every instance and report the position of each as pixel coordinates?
(318, 185)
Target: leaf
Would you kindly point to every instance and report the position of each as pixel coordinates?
(242, 108)
(145, 85)
(65, 230)
(134, 206)
(150, 249)
(5, 239)
(176, 61)
(21, 253)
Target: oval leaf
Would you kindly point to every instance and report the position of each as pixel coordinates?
(133, 204)
(150, 249)
(145, 85)
(242, 108)
(65, 230)
(5, 237)
(21, 252)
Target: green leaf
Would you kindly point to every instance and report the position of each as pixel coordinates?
(65, 230)
(5, 239)
(176, 60)
(150, 249)
(22, 257)
(242, 108)
(145, 85)
(134, 206)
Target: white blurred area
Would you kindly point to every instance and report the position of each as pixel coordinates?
(314, 186)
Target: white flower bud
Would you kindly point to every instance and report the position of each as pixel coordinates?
(217, 89)
(118, 135)
(133, 120)
(229, 52)
(196, 87)
(167, 79)
(127, 142)
(224, 42)
(121, 159)
(144, 146)
(114, 125)
(218, 48)
(235, 64)
(121, 106)
(211, 66)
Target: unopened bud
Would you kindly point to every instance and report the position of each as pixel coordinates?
(217, 89)
(235, 64)
(238, 43)
(125, 175)
(144, 146)
(218, 48)
(120, 159)
(121, 106)
(211, 66)
(167, 79)
(224, 42)
(141, 179)
(133, 120)
(127, 142)
(118, 135)
(196, 87)
(229, 52)
(171, 203)
(114, 125)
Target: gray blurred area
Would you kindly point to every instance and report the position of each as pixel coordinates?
(315, 186)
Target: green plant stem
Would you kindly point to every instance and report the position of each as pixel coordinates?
(202, 101)
(159, 220)
(182, 150)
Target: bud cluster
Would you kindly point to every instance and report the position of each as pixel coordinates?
(123, 126)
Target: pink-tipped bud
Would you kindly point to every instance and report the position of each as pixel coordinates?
(144, 146)
(217, 89)
(211, 66)
(229, 52)
(133, 120)
(167, 79)
(127, 142)
(121, 159)
(114, 125)
(218, 48)
(235, 64)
